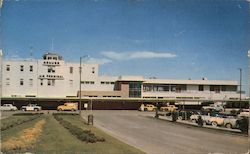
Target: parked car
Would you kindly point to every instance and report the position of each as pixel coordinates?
(205, 118)
(31, 107)
(147, 107)
(8, 107)
(244, 113)
(230, 122)
(68, 107)
(169, 108)
(215, 107)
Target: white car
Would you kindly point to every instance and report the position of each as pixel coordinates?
(8, 107)
(31, 107)
(205, 118)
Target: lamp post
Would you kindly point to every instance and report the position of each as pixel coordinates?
(240, 81)
(80, 83)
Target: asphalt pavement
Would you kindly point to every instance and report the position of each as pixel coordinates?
(155, 136)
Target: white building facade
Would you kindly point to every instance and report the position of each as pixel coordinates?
(52, 77)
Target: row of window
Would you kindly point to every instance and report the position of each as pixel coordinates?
(50, 82)
(179, 88)
(88, 82)
(107, 82)
(21, 82)
(21, 68)
(71, 70)
(51, 63)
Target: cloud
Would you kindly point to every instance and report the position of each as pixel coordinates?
(136, 55)
(98, 60)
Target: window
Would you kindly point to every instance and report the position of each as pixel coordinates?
(71, 70)
(51, 69)
(49, 82)
(54, 58)
(201, 88)
(92, 82)
(135, 89)
(49, 58)
(7, 67)
(41, 82)
(31, 82)
(7, 81)
(93, 70)
(21, 68)
(215, 89)
(21, 82)
(31, 68)
(53, 82)
(112, 82)
(102, 82)
(71, 83)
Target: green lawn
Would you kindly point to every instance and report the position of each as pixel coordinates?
(56, 139)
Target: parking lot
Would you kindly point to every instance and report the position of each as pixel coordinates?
(155, 136)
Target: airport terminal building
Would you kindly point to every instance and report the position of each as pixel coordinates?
(51, 81)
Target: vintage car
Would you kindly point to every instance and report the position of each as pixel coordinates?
(31, 107)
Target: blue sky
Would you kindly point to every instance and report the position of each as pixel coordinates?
(163, 38)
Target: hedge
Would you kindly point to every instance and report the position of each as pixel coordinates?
(83, 135)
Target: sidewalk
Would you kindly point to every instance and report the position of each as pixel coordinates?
(196, 125)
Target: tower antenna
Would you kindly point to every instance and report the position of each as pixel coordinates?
(52, 44)
(31, 52)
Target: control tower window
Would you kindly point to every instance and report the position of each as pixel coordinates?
(7, 67)
(51, 70)
(71, 70)
(21, 67)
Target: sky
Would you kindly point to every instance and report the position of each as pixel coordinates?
(170, 39)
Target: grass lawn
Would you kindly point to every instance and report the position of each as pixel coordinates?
(56, 139)
(12, 132)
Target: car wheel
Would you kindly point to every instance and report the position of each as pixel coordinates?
(60, 109)
(193, 121)
(23, 109)
(228, 125)
(214, 124)
(36, 109)
(145, 109)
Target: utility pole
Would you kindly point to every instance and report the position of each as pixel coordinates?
(240, 81)
(80, 84)
(80, 88)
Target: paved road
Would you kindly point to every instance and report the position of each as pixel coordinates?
(157, 136)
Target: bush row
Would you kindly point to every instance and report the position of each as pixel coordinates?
(65, 113)
(9, 124)
(27, 114)
(83, 135)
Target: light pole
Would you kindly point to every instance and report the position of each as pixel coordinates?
(240, 81)
(80, 83)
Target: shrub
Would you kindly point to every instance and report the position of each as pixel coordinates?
(27, 114)
(243, 125)
(200, 121)
(174, 116)
(83, 135)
